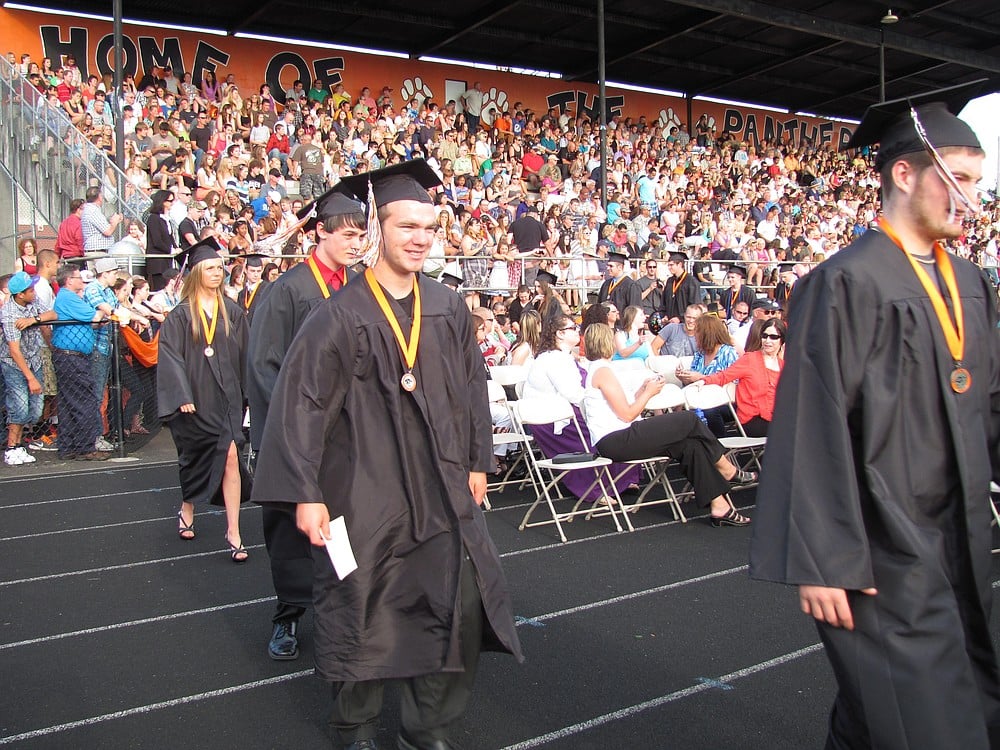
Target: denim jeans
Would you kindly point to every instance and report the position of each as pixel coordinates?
(23, 407)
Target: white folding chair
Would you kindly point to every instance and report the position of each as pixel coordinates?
(514, 437)
(550, 410)
(627, 365)
(713, 396)
(509, 374)
(665, 365)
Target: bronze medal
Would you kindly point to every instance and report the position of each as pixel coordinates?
(408, 381)
(960, 380)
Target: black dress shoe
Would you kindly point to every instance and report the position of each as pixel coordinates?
(366, 744)
(404, 744)
(284, 645)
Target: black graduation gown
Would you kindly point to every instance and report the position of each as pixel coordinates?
(688, 293)
(727, 299)
(184, 375)
(340, 430)
(877, 475)
(625, 293)
(254, 299)
(281, 310)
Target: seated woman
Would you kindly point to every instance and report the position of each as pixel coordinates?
(757, 373)
(715, 353)
(526, 346)
(498, 413)
(632, 340)
(618, 434)
(555, 372)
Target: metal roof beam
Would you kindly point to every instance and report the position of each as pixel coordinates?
(766, 68)
(829, 28)
(472, 23)
(248, 19)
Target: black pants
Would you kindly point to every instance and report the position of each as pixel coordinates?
(680, 435)
(430, 704)
(79, 409)
(756, 427)
(291, 564)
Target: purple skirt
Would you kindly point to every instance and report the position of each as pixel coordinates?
(579, 480)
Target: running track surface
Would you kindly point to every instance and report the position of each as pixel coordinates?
(115, 634)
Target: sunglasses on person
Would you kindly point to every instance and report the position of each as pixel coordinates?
(742, 313)
(771, 336)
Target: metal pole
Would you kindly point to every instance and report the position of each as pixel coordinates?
(115, 390)
(602, 102)
(118, 76)
(881, 64)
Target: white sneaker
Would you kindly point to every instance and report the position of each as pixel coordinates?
(17, 456)
(103, 445)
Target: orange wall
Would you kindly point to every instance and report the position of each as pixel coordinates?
(252, 62)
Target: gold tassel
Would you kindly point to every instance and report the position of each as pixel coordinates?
(373, 240)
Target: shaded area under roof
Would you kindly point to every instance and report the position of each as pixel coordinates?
(810, 56)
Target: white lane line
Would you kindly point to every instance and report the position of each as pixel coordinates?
(133, 623)
(155, 707)
(116, 525)
(85, 473)
(250, 602)
(629, 711)
(637, 594)
(123, 566)
(90, 497)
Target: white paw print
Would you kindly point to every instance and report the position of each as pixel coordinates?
(415, 88)
(494, 101)
(669, 119)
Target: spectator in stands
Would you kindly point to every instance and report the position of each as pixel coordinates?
(632, 341)
(757, 373)
(21, 364)
(98, 231)
(619, 434)
(99, 295)
(80, 424)
(306, 165)
(69, 240)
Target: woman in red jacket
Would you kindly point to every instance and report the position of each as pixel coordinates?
(757, 373)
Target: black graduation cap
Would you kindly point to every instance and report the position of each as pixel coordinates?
(449, 280)
(891, 125)
(334, 202)
(406, 181)
(738, 270)
(617, 258)
(678, 257)
(206, 249)
(253, 260)
(548, 278)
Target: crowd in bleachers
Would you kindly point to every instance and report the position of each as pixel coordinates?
(213, 159)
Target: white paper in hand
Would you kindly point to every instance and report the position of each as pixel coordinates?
(338, 547)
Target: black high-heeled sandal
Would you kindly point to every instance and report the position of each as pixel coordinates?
(741, 478)
(235, 552)
(732, 518)
(185, 528)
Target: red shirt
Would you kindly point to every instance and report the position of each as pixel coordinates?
(333, 279)
(756, 387)
(532, 162)
(69, 242)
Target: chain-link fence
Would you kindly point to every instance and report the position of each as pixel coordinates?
(99, 383)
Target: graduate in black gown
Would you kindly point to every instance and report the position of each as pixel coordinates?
(252, 293)
(874, 495)
(339, 223)
(681, 290)
(620, 289)
(199, 385)
(380, 416)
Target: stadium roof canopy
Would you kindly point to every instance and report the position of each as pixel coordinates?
(812, 56)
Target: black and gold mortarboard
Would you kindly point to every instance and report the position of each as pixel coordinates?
(678, 257)
(253, 260)
(894, 124)
(617, 258)
(548, 278)
(199, 252)
(334, 202)
(738, 270)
